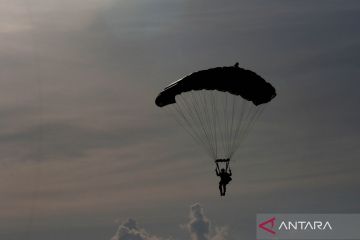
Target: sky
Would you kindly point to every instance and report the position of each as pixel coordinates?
(86, 154)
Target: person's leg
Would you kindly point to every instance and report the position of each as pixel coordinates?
(220, 188)
(224, 188)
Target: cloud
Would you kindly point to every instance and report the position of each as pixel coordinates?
(199, 227)
(221, 233)
(129, 230)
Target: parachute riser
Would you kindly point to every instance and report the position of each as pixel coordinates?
(219, 162)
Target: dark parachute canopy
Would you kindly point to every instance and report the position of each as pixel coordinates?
(217, 106)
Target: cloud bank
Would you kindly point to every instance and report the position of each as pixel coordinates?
(199, 228)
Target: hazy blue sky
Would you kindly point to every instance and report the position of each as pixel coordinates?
(84, 148)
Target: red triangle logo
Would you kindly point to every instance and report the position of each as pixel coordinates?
(270, 222)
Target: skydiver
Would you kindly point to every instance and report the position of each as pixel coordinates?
(225, 178)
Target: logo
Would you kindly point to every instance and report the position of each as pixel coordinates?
(307, 226)
(268, 225)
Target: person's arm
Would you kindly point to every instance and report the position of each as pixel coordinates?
(230, 172)
(217, 172)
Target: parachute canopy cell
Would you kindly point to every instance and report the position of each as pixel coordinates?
(234, 80)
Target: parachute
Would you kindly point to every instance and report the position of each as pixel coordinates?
(217, 107)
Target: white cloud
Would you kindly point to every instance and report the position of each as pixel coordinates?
(199, 227)
(221, 233)
(129, 230)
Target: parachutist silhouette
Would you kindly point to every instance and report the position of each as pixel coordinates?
(225, 178)
(194, 104)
